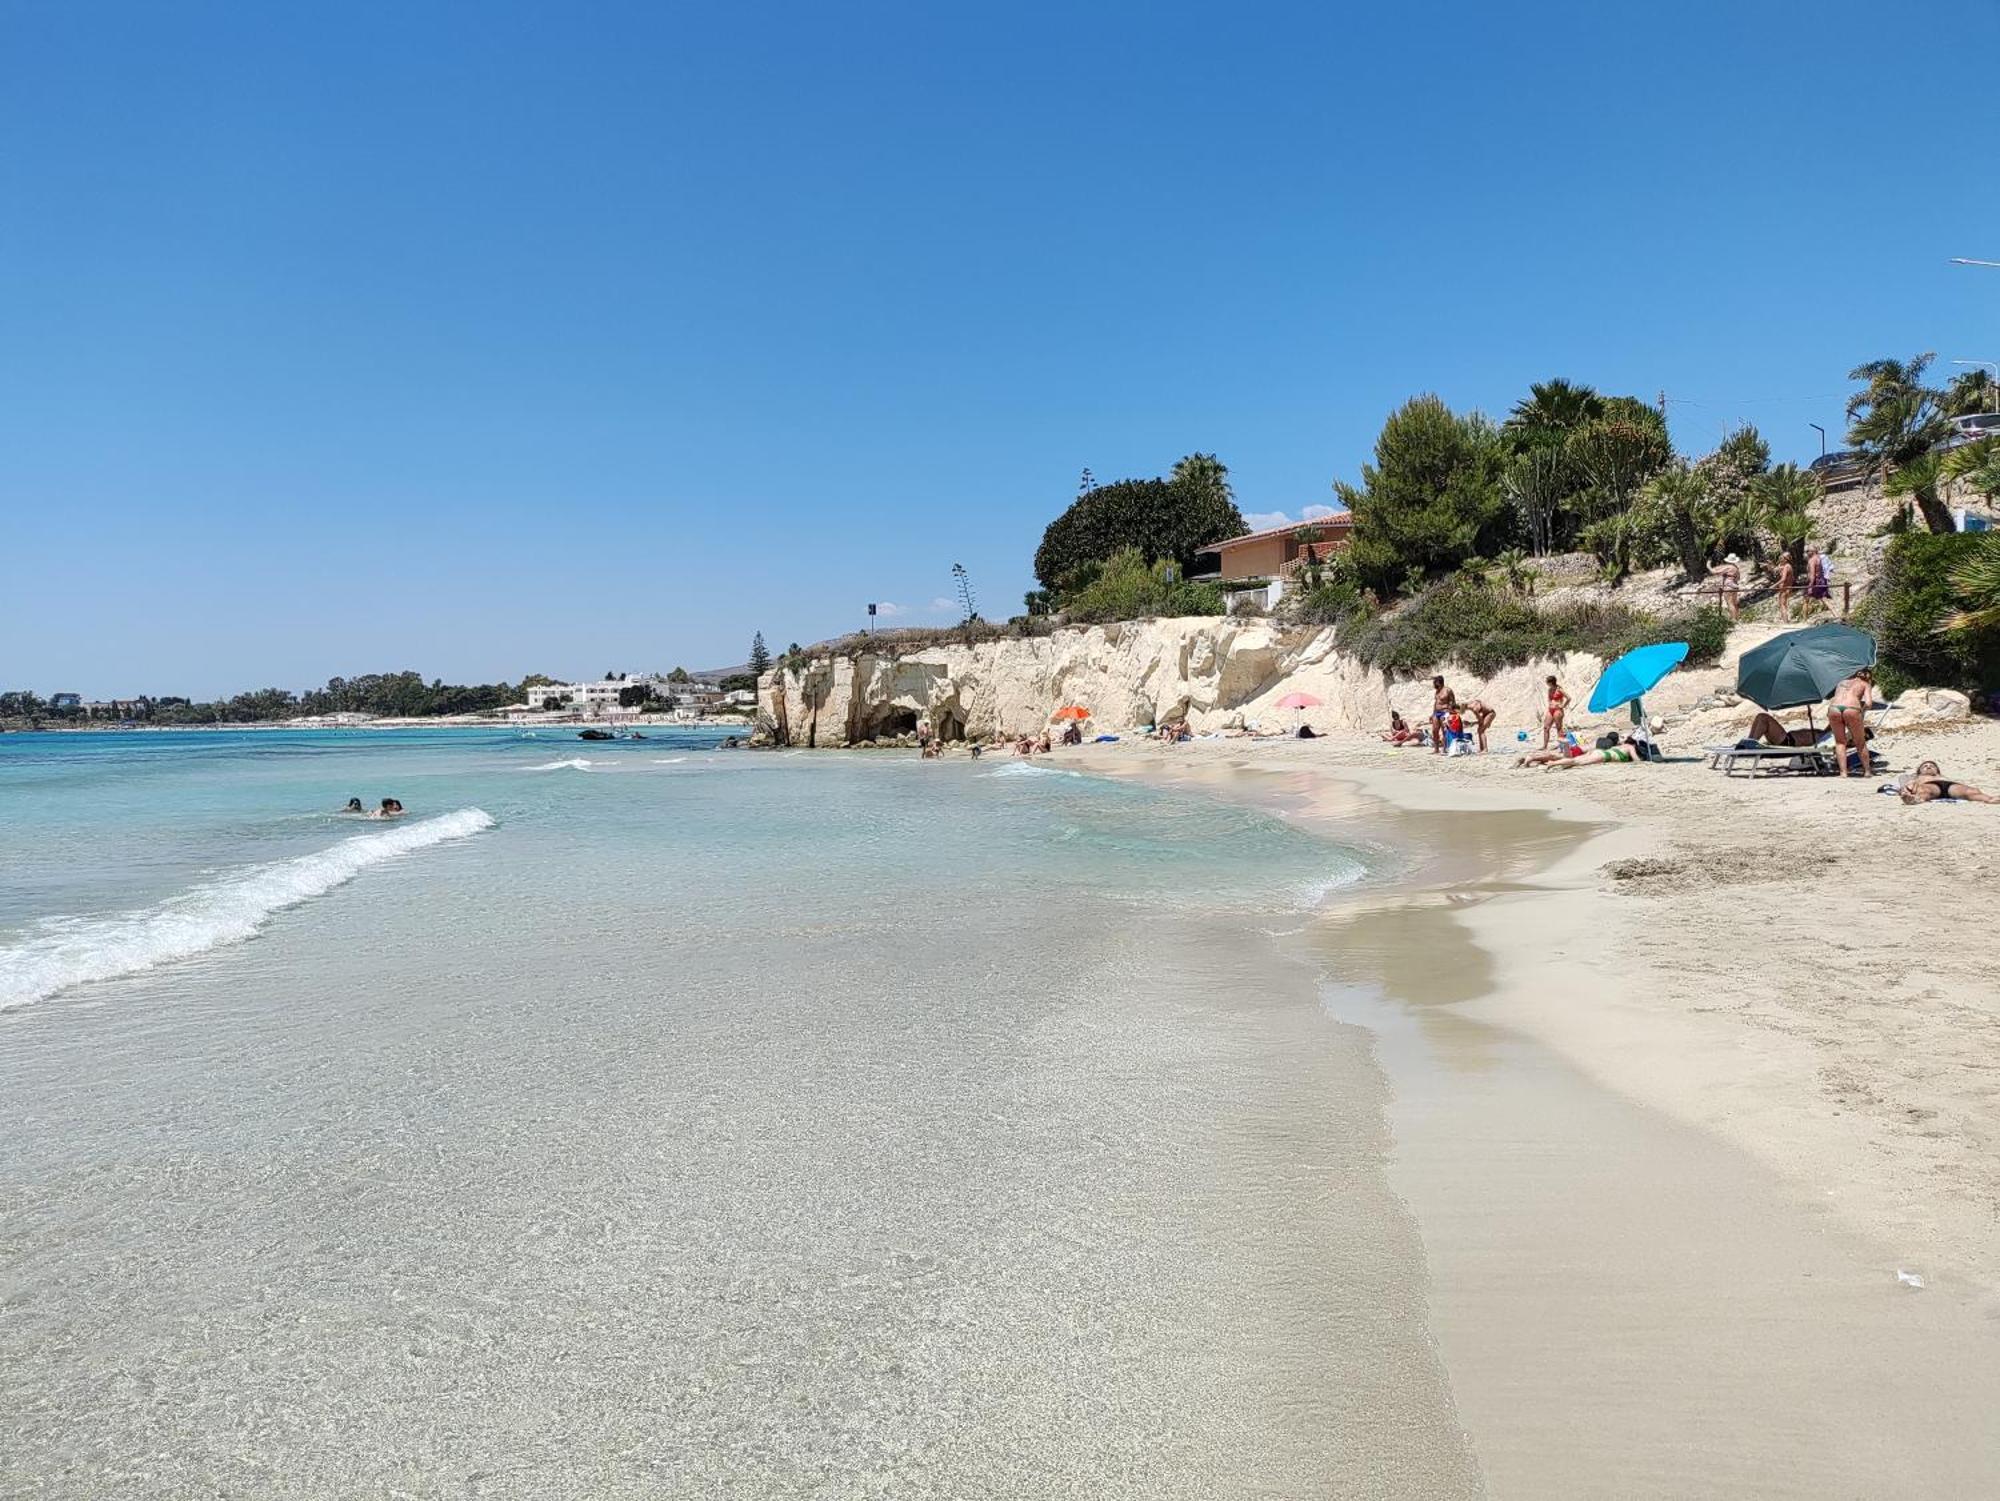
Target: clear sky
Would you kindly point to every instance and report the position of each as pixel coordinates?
(486, 338)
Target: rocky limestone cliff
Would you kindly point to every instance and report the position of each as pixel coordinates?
(1217, 674)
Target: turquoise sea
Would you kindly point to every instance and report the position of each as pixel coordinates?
(642, 1118)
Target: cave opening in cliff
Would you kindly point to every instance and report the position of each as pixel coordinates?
(950, 726)
(887, 723)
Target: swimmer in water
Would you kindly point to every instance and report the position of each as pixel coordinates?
(354, 806)
(390, 808)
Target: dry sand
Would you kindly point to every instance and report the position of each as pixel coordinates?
(1692, 1077)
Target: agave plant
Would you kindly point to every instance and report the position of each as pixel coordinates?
(1976, 581)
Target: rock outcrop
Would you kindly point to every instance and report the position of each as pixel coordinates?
(1217, 673)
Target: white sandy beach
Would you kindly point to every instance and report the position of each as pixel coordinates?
(1695, 1103)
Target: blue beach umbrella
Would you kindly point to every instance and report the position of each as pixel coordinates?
(1629, 678)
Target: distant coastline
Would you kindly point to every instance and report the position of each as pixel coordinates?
(439, 722)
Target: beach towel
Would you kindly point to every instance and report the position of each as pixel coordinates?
(1105, 740)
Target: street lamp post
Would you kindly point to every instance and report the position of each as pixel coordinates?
(1822, 437)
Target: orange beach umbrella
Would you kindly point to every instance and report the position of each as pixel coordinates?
(1071, 711)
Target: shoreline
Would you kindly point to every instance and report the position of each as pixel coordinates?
(1660, 1218)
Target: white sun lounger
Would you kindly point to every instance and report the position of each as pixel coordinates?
(1765, 760)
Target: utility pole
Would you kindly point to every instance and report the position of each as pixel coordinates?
(1663, 406)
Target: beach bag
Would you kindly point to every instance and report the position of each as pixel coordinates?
(1461, 745)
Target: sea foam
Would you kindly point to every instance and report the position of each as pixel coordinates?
(66, 951)
(574, 763)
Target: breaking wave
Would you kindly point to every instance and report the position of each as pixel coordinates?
(67, 951)
(1029, 769)
(574, 763)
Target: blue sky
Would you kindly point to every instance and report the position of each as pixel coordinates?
(491, 338)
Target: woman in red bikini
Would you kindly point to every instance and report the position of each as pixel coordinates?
(1552, 721)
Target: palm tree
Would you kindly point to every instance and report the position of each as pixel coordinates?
(1785, 498)
(1921, 480)
(1895, 420)
(1683, 495)
(1973, 391)
(1204, 472)
(1551, 411)
(1976, 581)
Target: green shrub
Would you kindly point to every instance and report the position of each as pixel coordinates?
(1910, 603)
(1127, 588)
(1331, 601)
(1484, 630)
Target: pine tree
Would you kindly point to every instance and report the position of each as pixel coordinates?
(760, 656)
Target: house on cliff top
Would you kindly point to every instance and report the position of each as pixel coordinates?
(1276, 552)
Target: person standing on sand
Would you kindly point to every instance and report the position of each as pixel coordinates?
(1443, 704)
(1552, 717)
(1787, 579)
(1483, 715)
(1849, 713)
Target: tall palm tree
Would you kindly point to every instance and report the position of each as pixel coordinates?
(1551, 411)
(1895, 420)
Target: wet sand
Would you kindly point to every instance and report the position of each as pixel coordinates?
(1626, 1302)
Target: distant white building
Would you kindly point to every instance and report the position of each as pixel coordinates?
(599, 697)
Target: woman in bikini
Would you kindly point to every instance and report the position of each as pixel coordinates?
(1787, 576)
(1625, 753)
(1552, 719)
(1928, 784)
(1849, 713)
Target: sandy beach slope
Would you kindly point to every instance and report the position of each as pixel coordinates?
(1696, 1102)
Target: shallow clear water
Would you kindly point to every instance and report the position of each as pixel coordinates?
(639, 1119)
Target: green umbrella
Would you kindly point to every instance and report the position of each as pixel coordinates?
(1803, 667)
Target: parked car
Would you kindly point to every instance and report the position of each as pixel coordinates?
(1838, 465)
(1971, 428)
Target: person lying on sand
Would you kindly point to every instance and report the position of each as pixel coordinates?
(1622, 754)
(1927, 784)
(1562, 750)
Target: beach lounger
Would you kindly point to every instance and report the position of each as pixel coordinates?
(1765, 760)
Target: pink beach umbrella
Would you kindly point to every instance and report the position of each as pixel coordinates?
(1299, 701)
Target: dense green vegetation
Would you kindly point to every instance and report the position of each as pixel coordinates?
(399, 694)
(1126, 587)
(1935, 612)
(1165, 520)
(1484, 628)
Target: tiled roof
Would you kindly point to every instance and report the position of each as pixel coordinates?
(1338, 521)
